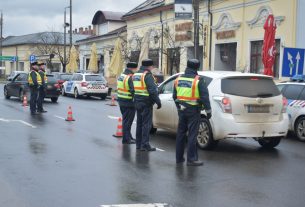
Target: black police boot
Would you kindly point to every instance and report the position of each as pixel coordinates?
(42, 111)
(180, 161)
(148, 148)
(194, 163)
(129, 142)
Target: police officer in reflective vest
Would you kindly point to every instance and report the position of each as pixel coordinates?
(125, 98)
(146, 95)
(34, 81)
(41, 92)
(191, 96)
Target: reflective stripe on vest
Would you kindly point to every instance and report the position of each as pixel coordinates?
(139, 84)
(123, 87)
(187, 90)
(38, 77)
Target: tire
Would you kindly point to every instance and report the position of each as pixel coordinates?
(54, 100)
(76, 94)
(6, 95)
(21, 95)
(270, 143)
(104, 96)
(300, 128)
(63, 92)
(205, 140)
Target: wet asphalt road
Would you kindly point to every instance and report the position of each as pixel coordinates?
(47, 162)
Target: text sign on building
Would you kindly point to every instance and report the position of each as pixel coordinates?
(183, 9)
(293, 62)
(183, 31)
(225, 35)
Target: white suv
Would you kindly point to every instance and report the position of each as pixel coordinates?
(243, 106)
(86, 84)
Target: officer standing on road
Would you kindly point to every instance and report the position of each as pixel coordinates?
(125, 98)
(191, 96)
(41, 92)
(146, 95)
(34, 81)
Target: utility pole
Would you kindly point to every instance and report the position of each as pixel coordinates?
(1, 34)
(196, 28)
(65, 39)
(70, 24)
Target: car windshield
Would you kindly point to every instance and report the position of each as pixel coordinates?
(251, 87)
(95, 78)
(51, 78)
(65, 77)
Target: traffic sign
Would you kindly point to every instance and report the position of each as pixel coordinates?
(9, 58)
(32, 58)
(183, 9)
(293, 62)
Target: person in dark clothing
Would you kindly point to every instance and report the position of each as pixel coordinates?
(34, 81)
(191, 96)
(42, 88)
(125, 99)
(146, 95)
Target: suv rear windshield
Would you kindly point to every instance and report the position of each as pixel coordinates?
(94, 78)
(252, 87)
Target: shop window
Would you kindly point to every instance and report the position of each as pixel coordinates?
(256, 64)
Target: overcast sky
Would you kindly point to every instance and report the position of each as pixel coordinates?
(30, 16)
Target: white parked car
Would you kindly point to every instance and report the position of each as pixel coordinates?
(295, 94)
(243, 106)
(81, 84)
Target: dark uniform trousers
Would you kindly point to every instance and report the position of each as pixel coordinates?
(144, 124)
(41, 97)
(128, 117)
(189, 122)
(34, 96)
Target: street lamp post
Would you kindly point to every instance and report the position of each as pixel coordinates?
(65, 39)
(1, 34)
(196, 28)
(70, 24)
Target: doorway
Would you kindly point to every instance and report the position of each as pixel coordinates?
(225, 57)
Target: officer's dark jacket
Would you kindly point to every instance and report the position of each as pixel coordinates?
(41, 73)
(125, 102)
(152, 89)
(33, 74)
(203, 91)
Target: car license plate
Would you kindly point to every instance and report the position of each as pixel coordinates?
(49, 87)
(258, 109)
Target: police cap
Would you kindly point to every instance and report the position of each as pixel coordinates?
(193, 64)
(34, 63)
(147, 62)
(41, 63)
(132, 65)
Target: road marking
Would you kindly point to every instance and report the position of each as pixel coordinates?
(161, 150)
(59, 117)
(113, 117)
(139, 205)
(20, 121)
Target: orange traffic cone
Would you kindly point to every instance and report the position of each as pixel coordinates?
(119, 132)
(70, 115)
(25, 101)
(112, 101)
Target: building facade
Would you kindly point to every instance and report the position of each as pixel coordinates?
(231, 33)
(41, 45)
(109, 27)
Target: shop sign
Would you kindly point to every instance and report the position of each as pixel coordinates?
(225, 35)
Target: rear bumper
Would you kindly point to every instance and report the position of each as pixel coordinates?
(226, 127)
(52, 93)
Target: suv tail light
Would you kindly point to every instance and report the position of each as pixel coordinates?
(285, 104)
(225, 104)
(56, 85)
(60, 81)
(84, 84)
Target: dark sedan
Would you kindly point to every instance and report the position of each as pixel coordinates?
(18, 87)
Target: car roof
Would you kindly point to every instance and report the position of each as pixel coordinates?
(291, 83)
(226, 74)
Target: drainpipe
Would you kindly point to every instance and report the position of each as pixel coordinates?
(211, 34)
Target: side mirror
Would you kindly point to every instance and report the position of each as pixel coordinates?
(9, 79)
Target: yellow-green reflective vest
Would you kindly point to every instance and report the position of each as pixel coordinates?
(45, 77)
(139, 84)
(30, 80)
(187, 90)
(123, 87)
